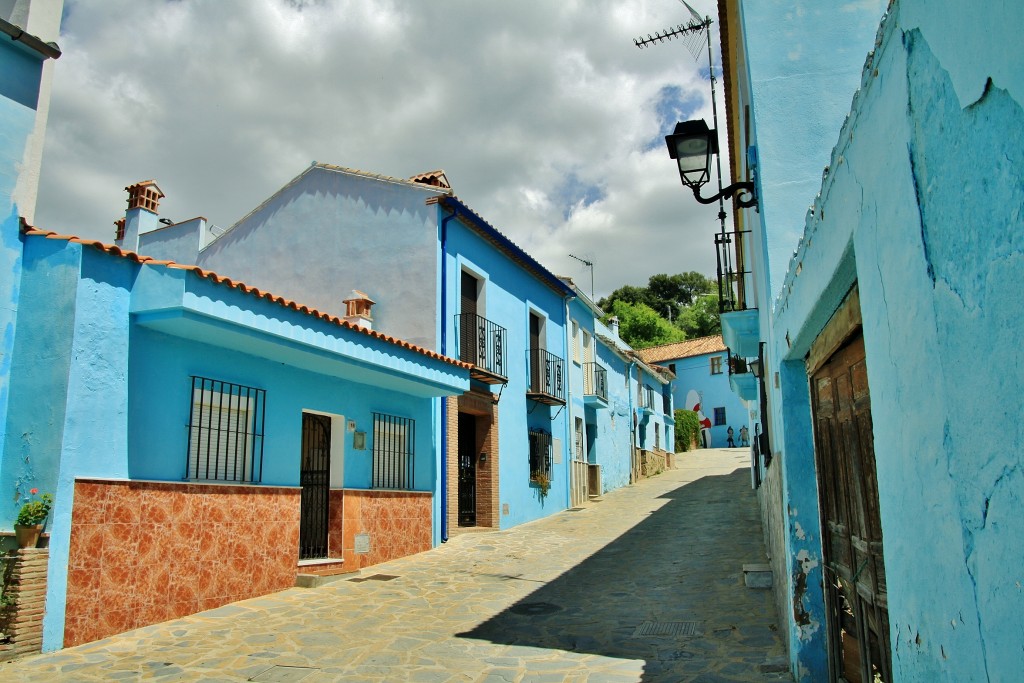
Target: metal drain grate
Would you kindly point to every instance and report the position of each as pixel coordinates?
(533, 609)
(375, 577)
(283, 674)
(668, 629)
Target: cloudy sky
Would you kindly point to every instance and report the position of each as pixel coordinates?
(549, 122)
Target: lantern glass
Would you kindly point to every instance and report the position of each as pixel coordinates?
(692, 145)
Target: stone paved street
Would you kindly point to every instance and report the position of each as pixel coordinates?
(644, 585)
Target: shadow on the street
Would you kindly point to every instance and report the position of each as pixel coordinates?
(664, 592)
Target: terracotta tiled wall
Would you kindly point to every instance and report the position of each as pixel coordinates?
(142, 553)
(398, 523)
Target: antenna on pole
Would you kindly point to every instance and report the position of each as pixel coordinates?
(688, 32)
(588, 264)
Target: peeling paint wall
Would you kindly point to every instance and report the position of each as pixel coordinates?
(921, 206)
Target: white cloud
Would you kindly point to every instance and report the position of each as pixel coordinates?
(539, 112)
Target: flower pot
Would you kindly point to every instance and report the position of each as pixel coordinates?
(27, 534)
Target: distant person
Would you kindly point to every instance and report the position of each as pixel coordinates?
(731, 442)
(744, 436)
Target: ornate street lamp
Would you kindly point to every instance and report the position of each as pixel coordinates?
(692, 145)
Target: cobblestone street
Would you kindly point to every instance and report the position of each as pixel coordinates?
(644, 585)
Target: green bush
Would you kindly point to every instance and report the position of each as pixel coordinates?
(687, 430)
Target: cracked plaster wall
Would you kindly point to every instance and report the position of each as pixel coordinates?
(922, 206)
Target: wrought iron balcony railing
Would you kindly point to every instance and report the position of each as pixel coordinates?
(731, 271)
(547, 378)
(482, 343)
(595, 381)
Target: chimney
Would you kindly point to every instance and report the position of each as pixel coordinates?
(143, 202)
(357, 309)
(613, 323)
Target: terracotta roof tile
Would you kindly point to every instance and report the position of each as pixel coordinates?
(683, 349)
(219, 279)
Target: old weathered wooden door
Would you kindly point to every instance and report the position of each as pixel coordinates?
(855, 593)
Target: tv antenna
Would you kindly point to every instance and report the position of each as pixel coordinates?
(588, 264)
(689, 33)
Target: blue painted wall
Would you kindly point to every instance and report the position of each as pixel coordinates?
(332, 230)
(694, 374)
(920, 208)
(161, 388)
(511, 294)
(614, 424)
(19, 90)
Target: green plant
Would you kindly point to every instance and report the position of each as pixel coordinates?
(35, 511)
(543, 482)
(687, 430)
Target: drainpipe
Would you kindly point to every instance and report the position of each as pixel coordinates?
(632, 417)
(570, 421)
(444, 350)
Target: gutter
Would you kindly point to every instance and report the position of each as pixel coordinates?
(444, 402)
(18, 34)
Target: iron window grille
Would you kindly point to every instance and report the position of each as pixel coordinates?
(225, 431)
(719, 416)
(540, 454)
(393, 451)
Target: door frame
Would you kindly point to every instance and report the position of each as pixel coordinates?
(834, 465)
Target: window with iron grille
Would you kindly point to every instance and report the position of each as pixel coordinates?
(719, 416)
(540, 454)
(225, 431)
(716, 365)
(393, 456)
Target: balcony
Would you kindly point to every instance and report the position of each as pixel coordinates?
(547, 378)
(741, 379)
(595, 385)
(482, 344)
(740, 324)
(741, 332)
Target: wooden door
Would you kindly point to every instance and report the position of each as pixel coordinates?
(469, 346)
(536, 357)
(580, 469)
(856, 600)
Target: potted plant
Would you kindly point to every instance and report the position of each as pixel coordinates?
(543, 482)
(31, 518)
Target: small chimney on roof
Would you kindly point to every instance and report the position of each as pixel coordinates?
(357, 309)
(143, 202)
(613, 323)
(144, 195)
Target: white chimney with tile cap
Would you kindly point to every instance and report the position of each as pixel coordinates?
(357, 309)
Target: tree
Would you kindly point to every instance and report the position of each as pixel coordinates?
(640, 326)
(668, 295)
(628, 293)
(701, 319)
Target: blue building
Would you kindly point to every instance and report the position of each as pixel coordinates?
(25, 64)
(885, 326)
(441, 277)
(621, 406)
(708, 383)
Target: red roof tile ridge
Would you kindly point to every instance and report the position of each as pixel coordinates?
(115, 250)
